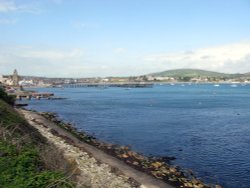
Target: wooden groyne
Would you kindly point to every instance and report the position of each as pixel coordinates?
(30, 95)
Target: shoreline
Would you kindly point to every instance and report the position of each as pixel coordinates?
(157, 168)
(93, 165)
(152, 83)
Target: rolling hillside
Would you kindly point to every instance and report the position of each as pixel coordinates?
(194, 73)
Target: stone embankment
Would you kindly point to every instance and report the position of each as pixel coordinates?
(104, 165)
(93, 168)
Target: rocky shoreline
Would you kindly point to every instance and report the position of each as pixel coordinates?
(88, 172)
(159, 168)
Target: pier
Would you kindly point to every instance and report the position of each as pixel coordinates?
(103, 85)
(30, 95)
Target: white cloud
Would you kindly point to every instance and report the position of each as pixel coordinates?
(52, 54)
(7, 6)
(224, 58)
(120, 50)
(11, 6)
(7, 21)
(77, 62)
(42, 62)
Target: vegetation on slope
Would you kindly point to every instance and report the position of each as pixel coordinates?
(7, 98)
(189, 73)
(193, 73)
(23, 153)
(247, 74)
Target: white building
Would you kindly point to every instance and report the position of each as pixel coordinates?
(26, 82)
(3, 79)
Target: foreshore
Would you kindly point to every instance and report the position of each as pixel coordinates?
(105, 165)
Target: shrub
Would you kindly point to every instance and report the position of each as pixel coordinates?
(7, 98)
(23, 169)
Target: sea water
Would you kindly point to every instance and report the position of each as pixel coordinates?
(206, 128)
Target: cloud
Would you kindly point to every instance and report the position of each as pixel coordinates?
(223, 58)
(52, 54)
(78, 62)
(7, 21)
(120, 50)
(74, 62)
(31, 60)
(7, 6)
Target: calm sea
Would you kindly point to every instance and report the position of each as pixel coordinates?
(206, 128)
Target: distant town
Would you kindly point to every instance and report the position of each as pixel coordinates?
(171, 76)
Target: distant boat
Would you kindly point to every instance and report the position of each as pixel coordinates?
(216, 85)
(234, 85)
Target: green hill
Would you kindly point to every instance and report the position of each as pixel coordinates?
(247, 74)
(193, 73)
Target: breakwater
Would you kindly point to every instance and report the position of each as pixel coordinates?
(103, 85)
(30, 94)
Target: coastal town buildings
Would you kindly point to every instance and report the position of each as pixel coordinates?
(11, 80)
(15, 78)
(2, 79)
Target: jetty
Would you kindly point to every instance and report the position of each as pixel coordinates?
(29, 95)
(103, 85)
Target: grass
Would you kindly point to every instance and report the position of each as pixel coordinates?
(22, 157)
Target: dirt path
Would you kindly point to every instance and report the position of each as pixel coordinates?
(95, 164)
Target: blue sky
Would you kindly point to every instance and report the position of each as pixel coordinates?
(87, 38)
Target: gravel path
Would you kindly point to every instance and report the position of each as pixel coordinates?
(95, 168)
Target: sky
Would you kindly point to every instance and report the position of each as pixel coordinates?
(92, 38)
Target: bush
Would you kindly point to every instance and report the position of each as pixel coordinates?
(22, 160)
(23, 169)
(7, 98)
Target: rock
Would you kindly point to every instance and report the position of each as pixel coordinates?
(156, 164)
(183, 180)
(172, 179)
(188, 184)
(199, 186)
(218, 186)
(124, 156)
(135, 163)
(195, 181)
(167, 159)
(124, 147)
(156, 174)
(172, 170)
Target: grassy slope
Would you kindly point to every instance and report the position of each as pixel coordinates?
(20, 163)
(192, 73)
(247, 74)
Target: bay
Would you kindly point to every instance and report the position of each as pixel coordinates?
(206, 128)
